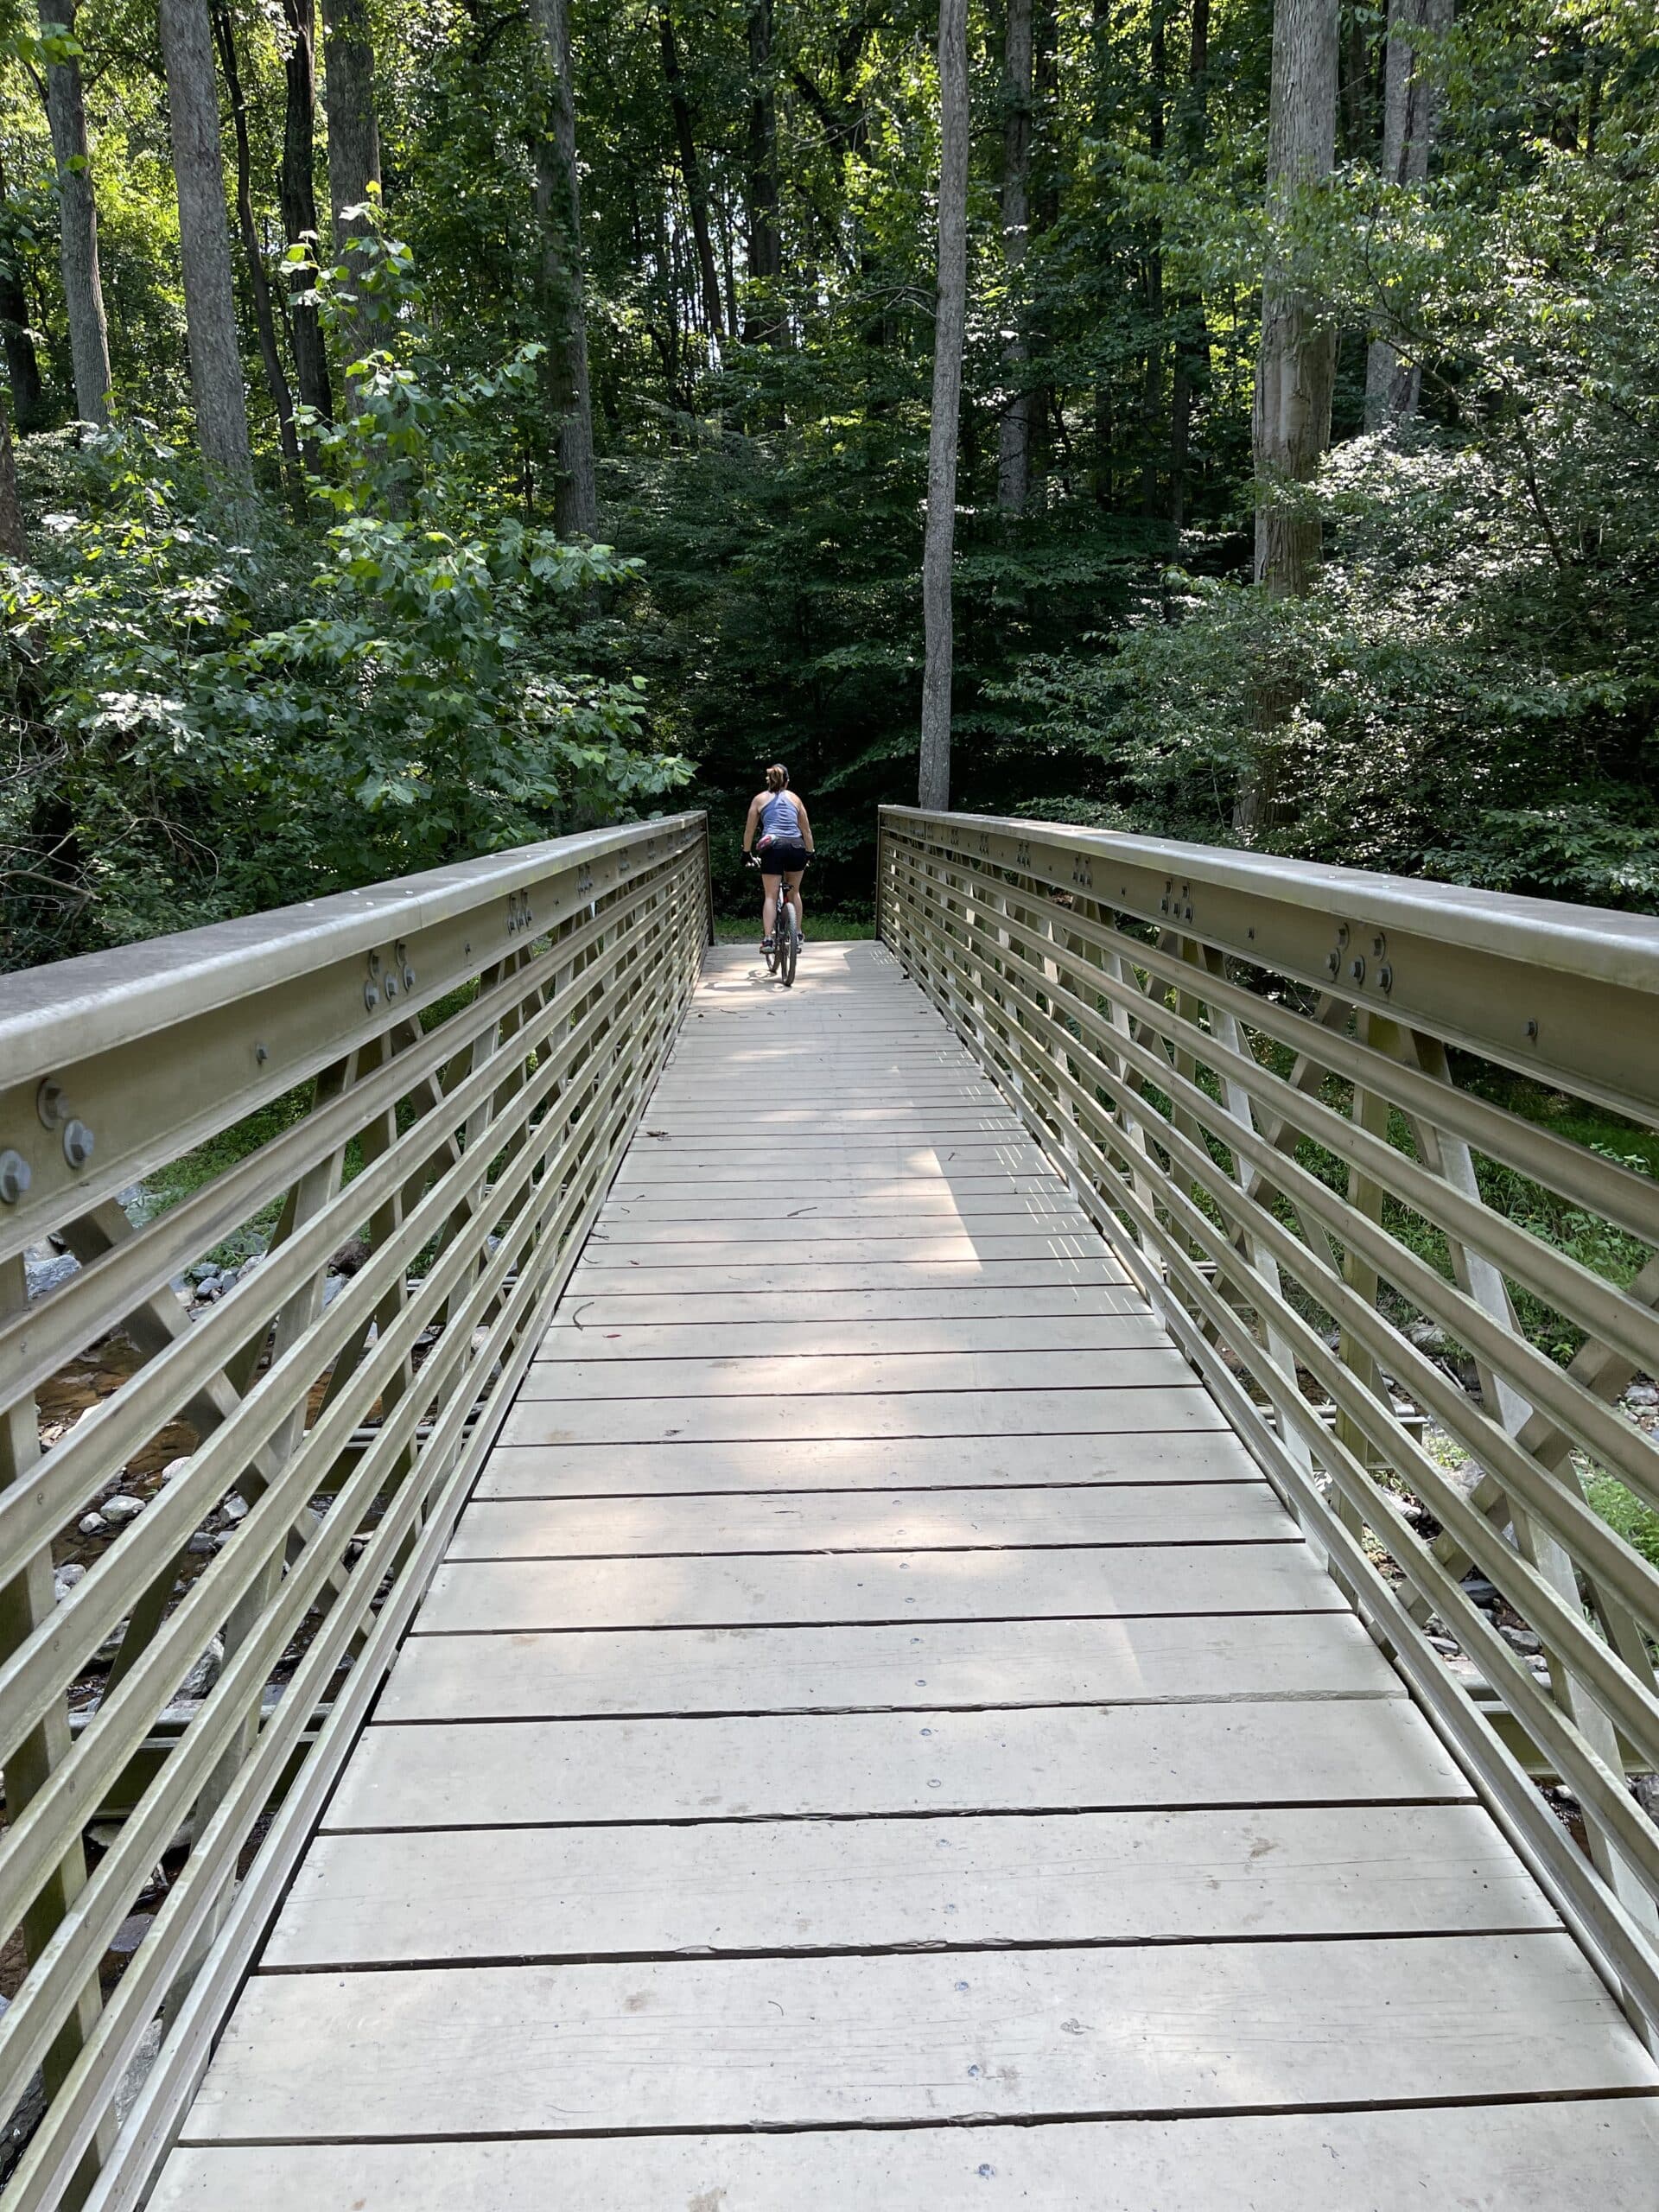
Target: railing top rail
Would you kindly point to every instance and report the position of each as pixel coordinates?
(1594, 941)
(68, 1008)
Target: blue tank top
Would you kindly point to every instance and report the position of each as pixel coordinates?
(779, 818)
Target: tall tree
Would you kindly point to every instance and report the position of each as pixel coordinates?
(205, 238)
(1191, 337)
(558, 199)
(14, 537)
(83, 285)
(265, 319)
(17, 340)
(1152, 273)
(296, 191)
(1296, 366)
(762, 325)
(950, 324)
(1393, 387)
(697, 190)
(1013, 432)
(353, 149)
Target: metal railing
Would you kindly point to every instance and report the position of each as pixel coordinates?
(1288, 1095)
(405, 1104)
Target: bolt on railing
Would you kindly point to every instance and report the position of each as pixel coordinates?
(431, 1082)
(1291, 1098)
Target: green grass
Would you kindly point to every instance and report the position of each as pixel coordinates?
(821, 922)
(1624, 1513)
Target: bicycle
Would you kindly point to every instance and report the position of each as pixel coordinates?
(785, 952)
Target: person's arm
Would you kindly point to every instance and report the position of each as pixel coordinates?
(806, 827)
(751, 826)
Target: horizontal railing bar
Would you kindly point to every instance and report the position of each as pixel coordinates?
(58, 1013)
(101, 1294)
(1600, 1306)
(145, 1107)
(21, 1688)
(1563, 993)
(1605, 1187)
(1613, 1442)
(31, 1514)
(1580, 940)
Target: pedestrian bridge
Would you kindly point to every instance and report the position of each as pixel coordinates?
(1022, 1576)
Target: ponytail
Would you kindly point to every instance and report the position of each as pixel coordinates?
(777, 777)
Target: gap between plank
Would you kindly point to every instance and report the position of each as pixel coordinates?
(702, 1955)
(851, 1712)
(1106, 2116)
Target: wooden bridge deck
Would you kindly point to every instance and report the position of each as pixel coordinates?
(837, 1737)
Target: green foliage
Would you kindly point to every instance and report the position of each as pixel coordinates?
(1472, 680)
(1624, 1512)
(217, 721)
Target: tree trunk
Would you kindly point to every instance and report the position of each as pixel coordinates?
(353, 153)
(83, 286)
(204, 238)
(1192, 340)
(1014, 431)
(22, 363)
(763, 324)
(949, 328)
(558, 200)
(1296, 366)
(1151, 384)
(1394, 387)
(258, 284)
(1044, 196)
(14, 539)
(691, 169)
(296, 190)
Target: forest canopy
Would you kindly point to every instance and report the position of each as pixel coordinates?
(435, 427)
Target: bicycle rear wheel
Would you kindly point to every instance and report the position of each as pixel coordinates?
(789, 943)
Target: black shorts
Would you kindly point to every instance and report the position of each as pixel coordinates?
(783, 860)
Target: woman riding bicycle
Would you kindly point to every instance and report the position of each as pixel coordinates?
(784, 846)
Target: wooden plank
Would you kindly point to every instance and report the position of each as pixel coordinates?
(1183, 1516)
(912, 1244)
(814, 1148)
(963, 1412)
(800, 1372)
(1203, 1456)
(694, 1090)
(848, 1306)
(913, 1201)
(929, 1666)
(849, 1186)
(796, 2041)
(976, 1156)
(508, 1596)
(812, 1886)
(593, 1279)
(823, 1113)
(620, 1227)
(1504, 2158)
(567, 1342)
(485, 1774)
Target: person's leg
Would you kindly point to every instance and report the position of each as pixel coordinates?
(793, 880)
(769, 912)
